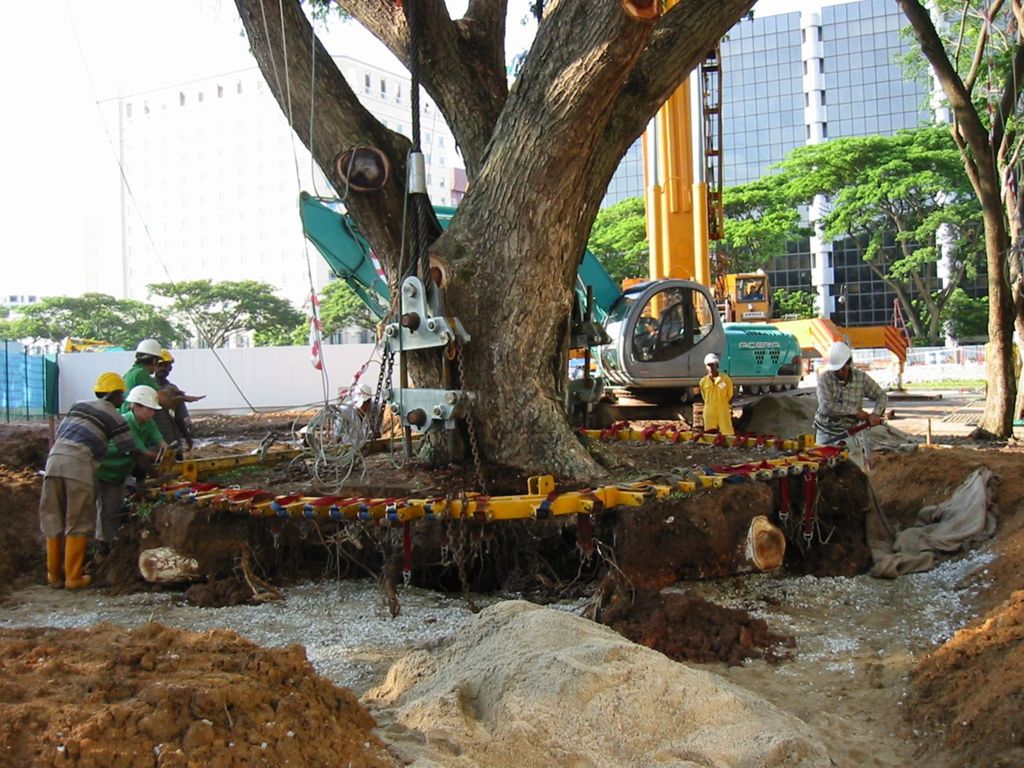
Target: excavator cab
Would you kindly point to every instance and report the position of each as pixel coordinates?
(661, 332)
(748, 296)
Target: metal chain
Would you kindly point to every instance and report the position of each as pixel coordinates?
(474, 446)
(386, 366)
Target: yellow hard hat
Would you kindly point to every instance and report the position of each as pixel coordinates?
(166, 356)
(108, 382)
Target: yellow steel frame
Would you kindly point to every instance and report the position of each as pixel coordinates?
(542, 500)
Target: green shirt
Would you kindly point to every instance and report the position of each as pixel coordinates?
(137, 375)
(116, 466)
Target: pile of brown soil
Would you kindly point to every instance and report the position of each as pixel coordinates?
(971, 691)
(162, 697)
(255, 425)
(21, 546)
(907, 482)
(687, 627)
(24, 445)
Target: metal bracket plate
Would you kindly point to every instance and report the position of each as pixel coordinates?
(430, 331)
(429, 408)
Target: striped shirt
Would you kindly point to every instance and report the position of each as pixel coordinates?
(839, 402)
(85, 432)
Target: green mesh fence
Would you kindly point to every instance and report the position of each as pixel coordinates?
(28, 383)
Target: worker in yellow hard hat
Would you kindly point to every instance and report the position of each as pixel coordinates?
(67, 512)
(717, 390)
(173, 420)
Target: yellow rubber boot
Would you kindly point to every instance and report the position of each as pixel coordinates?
(55, 562)
(74, 560)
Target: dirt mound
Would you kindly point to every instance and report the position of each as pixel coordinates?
(21, 546)
(689, 628)
(906, 482)
(24, 445)
(971, 690)
(161, 697)
(255, 425)
(783, 416)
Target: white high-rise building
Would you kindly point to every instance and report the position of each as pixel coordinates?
(213, 174)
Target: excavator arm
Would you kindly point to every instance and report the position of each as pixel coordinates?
(346, 251)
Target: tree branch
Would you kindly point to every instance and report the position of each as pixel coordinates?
(959, 97)
(676, 47)
(979, 49)
(281, 45)
(1011, 93)
(461, 66)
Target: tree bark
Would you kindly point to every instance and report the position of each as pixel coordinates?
(539, 157)
(979, 146)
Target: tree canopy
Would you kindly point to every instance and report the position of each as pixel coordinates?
(341, 308)
(121, 322)
(619, 239)
(894, 197)
(760, 219)
(215, 311)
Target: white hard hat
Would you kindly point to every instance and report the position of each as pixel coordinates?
(838, 355)
(362, 393)
(149, 347)
(144, 395)
(710, 358)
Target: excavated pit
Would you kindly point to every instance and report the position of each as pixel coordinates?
(960, 699)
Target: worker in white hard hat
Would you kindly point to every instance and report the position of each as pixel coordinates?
(362, 399)
(717, 390)
(147, 357)
(111, 477)
(841, 393)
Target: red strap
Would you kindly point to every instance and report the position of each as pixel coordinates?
(783, 498)
(810, 500)
(406, 549)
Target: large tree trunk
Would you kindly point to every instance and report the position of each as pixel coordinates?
(979, 146)
(539, 158)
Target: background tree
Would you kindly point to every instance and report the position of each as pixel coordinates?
(760, 220)
(218, 310)
(538, 156)
(619, 239)
(280, 336)
(965, 317)
(979, 62)
(889, 197)
(121, 322)
(341, 308)
(787, 303)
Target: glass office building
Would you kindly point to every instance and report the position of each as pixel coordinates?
(825, 72)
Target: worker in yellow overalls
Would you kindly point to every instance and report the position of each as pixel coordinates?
(716, 389)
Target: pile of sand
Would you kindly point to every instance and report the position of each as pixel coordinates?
(525, 685)
(790, 416)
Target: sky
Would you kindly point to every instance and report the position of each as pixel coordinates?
(59, 192)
